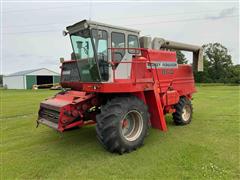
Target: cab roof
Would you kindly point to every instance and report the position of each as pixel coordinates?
(93, 24)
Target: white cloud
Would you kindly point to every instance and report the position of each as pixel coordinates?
(223, 13)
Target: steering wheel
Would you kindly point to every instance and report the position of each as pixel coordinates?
(117, 53)
(117, 59)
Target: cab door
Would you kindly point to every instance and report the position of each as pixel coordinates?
(123, 57)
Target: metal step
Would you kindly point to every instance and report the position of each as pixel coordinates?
(48, 123)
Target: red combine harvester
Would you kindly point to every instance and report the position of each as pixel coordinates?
(123, 83)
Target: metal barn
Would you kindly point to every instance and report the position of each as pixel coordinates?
(26, 79)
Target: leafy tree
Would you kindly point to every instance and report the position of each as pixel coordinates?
(181, 59)
(219, 62)
(203, 77)
(218, 66)
(234, 74)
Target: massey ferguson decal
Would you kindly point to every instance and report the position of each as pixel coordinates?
(162, 64)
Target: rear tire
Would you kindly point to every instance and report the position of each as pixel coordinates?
(183, 114)
(122, 124)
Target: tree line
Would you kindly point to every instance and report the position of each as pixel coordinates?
(218, 65)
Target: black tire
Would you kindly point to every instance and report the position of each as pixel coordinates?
(179, 117)
(109, 126)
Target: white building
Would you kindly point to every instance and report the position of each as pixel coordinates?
(26, 79)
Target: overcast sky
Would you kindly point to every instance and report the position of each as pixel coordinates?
(32, 32)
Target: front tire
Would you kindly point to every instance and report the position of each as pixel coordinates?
(122, 124)
(183, 113)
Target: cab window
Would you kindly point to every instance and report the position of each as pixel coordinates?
(133, 43)
(118, 41)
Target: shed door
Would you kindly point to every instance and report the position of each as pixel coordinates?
(31, 80)
(44, 80)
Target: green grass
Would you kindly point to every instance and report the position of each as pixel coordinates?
(208, 148)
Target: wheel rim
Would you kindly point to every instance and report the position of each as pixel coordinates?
(186, 113)
(132, 125)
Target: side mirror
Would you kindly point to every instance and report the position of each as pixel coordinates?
(64, 33)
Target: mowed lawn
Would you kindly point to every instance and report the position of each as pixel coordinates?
(208, 148)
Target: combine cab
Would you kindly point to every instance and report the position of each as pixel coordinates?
(121, 82)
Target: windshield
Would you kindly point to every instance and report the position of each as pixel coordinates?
(84, 54)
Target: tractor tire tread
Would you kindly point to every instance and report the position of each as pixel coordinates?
(177, 116)
(108, 123)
